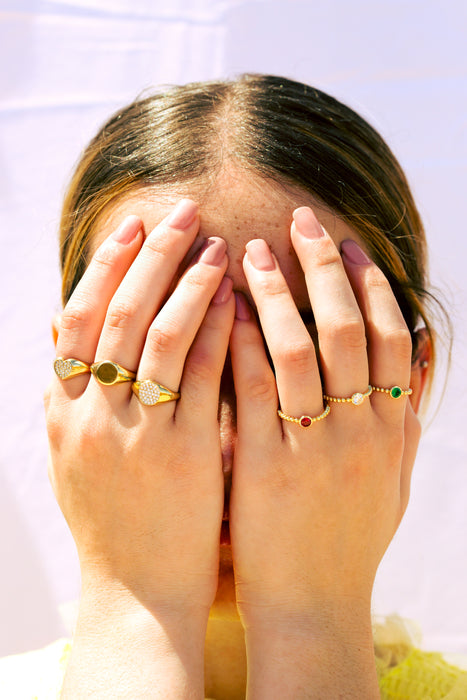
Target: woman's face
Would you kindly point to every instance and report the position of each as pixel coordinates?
(238, 208)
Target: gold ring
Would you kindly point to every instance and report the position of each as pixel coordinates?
(395, 392)
(151, 393)
(108, 373)
(356, 398)
(65, 369)
(304, 421)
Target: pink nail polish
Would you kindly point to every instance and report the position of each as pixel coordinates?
(127, 230)
(260, 256)
(183, 214)
(213, 251)
(242, 310)
(353, 253)
(307, 224)
(224, 291)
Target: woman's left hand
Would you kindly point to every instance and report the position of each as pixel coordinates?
(313, 509)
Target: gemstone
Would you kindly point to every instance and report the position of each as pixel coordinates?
(396, 392)
(63, 368)
(107, 372)
(357, 398)
(149, 392)
(305, 421)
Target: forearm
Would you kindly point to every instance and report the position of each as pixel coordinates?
(123, 650)
(319, 659)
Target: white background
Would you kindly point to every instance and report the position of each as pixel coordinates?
(65, 65)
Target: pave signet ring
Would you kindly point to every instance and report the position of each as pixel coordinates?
(109, 373)
(151, 393)
(67, 368)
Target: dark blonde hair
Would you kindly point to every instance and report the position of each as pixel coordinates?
(277, 128)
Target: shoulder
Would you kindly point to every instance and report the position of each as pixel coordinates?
(35, 675)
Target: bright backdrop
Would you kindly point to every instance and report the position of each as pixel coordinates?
(65, 66)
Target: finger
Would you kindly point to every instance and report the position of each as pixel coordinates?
(255, 384)
(339, 323)
(389, 339)
(174, 329)
(288, 341)
(200, 384)
(412, 438)
(142, 291)
(83, 316)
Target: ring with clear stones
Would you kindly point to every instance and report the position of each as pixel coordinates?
(356, 399)
(151, 393)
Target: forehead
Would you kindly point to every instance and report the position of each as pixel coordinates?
(237, 207)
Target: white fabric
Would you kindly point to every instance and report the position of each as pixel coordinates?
(66, 64)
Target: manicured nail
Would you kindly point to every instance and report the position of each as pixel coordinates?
(259, 255)
(224, 291)
(183, 214)
(307, 224)
(242, 310)
(353, 253)
(127, 230)
(213, 251)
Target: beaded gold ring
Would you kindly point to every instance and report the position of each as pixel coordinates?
(356, 399)
(304, 421)
(395, 392)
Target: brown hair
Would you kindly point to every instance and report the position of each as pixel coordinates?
(278, 128)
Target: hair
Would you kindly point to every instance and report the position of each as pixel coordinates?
(279, 129)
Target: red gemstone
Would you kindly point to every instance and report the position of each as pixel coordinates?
(305, 421)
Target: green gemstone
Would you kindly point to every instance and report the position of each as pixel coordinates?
(396, 392)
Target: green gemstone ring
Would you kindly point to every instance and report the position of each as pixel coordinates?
(395, 392)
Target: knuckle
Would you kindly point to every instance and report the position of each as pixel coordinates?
(162, 340)
(399, 343)
(120, 313)
(262, 390)
(298, 357)
(75, 316)
(349, 333)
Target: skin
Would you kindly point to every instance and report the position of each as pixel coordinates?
(304, 561)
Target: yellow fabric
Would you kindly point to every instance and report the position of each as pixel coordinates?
(405, 673)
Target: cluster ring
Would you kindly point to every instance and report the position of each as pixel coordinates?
(304, 421)
(152, 393)
(356, 399)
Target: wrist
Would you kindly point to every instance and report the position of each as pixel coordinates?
(323, 653)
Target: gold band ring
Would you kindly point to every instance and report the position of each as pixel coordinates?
(356, 398)
(109, 373)
(395, 392)
(151, 393)
(65, 369)
(304, 421)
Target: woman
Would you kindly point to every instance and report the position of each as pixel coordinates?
(231, 511)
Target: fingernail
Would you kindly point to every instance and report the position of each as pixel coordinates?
(127, 230)
(213, 251)
(183, 214)
(353, 253)
(242, 310)
(259, 255)
(224, 291)
(307, 224)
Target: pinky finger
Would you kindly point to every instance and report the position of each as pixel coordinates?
(200, 385)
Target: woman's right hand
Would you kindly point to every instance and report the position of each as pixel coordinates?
(142, 486)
